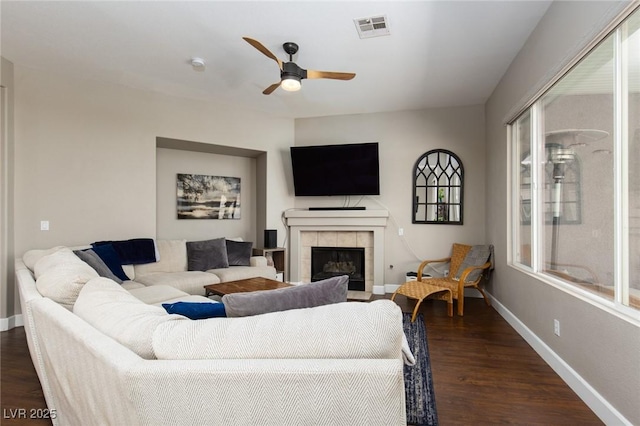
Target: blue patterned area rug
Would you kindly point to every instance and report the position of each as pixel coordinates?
(418, 383)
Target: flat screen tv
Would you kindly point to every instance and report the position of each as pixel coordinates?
(350, 169)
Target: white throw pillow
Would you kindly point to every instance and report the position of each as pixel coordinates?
(340, 331)
(61, 275)
(115, 312)
(173, 258)
(61, 256)
(31, 257)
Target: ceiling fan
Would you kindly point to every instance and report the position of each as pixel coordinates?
(291, 75)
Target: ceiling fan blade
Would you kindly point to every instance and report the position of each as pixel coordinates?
(330, 74)
(271, 88)
(264, 50)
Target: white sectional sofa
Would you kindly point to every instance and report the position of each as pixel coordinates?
(171, 270)
(115, 357)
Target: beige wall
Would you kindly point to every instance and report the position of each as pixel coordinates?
(86, 156)
(7, 293)
(602, 348)
(403, 137)
(170, 162)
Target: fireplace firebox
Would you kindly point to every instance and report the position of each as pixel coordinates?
(327, 262)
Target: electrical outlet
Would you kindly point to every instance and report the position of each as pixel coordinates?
(401, 231)
(556, 327)
(44, 225)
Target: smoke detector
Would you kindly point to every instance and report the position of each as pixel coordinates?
(374, 26)
(198, 64)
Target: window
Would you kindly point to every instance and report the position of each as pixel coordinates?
(576, 174)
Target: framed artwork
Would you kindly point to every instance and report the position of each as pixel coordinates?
(208, 197)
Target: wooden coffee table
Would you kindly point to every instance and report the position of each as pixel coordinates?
(242, 286)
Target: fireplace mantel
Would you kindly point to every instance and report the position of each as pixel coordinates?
(337, 217)
(373, 221)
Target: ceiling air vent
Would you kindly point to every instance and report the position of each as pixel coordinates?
(375, 26)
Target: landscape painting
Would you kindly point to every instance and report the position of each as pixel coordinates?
(208, 197)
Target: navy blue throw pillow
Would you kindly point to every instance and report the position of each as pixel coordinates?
(196, 310)
(109, 256)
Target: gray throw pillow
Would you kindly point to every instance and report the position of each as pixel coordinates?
(208, 254)
(93, 260)
(477, 256)
(325, 292)
(239, 252)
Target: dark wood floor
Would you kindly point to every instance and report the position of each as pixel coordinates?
(484, 373)
(20, 392)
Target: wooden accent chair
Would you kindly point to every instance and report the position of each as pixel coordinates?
(456, 286)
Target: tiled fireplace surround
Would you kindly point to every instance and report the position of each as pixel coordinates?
(338, 228)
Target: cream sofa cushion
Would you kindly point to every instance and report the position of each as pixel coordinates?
(156, 293)
(257, 261)
(173, 258)
(191, 282)
(120, 315)
(234, 273)
(340, 331)
(61, 275)
(130, 285)
(130, 271)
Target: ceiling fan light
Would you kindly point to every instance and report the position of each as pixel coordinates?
(291, 83)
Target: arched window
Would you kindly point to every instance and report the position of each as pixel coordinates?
(438, 188)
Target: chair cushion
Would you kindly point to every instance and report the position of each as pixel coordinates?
(477, 256)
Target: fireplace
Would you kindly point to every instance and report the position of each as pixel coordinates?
(327, 262)
(337, 228)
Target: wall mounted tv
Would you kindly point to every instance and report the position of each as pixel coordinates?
(349, 169)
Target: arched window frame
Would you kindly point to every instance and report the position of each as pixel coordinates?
(437, 195)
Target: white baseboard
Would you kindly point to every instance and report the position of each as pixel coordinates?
(391, 288)
(385, 288)
(378, 289)
(596, 402)
(11, 322)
